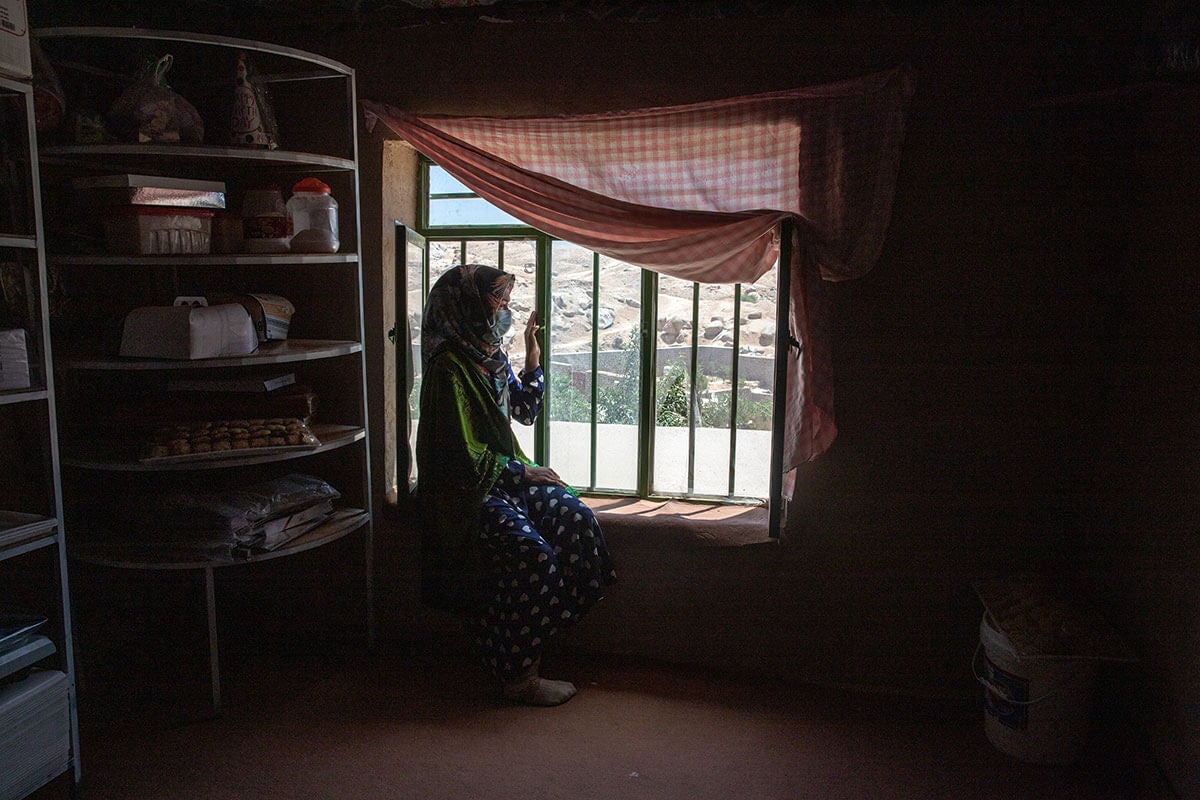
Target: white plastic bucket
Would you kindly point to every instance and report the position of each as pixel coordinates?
(1035, 709)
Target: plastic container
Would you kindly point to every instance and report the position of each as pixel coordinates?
(313, 217)
(265, 221)
(1035, 709)
(227, 232)
(157, 230)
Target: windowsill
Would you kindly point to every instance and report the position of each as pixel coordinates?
(672, 524)
(679, 523)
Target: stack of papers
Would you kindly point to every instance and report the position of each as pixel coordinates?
(35, 732)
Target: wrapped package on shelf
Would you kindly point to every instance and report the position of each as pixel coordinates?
(228, 522)
(14, 360)
(271, 313)
(188, 332)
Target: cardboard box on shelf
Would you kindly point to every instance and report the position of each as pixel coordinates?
(14, 40)
(157, 230)
(188, 332)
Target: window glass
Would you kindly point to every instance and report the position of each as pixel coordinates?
(462, 207)
(756, 380)
(570, 370)
(714, 360)
(443, 256)
(673, 407)
(520, 258)
(485, 252)
(714, 369)
(618, 379)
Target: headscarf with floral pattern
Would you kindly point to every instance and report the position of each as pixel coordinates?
(461, 308)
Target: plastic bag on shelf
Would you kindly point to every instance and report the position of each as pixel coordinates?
(218, 522)
(49, 101)
(149, 111)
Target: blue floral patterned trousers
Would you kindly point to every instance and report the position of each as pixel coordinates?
(546, 564)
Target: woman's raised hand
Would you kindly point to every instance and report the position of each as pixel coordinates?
(533, 350)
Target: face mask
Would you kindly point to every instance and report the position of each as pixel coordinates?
(501, 324)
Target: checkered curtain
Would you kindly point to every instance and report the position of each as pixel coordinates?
(699, 191)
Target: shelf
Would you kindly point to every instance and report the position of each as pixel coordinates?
(176, 37)
(30, 395)
(21, 532)
(124, 458)
(104, 155)
(17, 240)
(207, 260)
(288, 350)
(343, 522)
(316, 97)
(39, 736)
(25, 654)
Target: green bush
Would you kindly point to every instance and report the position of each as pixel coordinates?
(566, 403)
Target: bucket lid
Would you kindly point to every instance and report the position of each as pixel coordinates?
(314, 185)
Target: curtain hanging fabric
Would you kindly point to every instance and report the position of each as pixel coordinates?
(698, 192)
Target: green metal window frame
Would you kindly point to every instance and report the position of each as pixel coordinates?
(544, 244)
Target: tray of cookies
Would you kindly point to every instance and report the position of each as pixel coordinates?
(197, 441)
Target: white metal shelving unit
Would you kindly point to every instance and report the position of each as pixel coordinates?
(40, 740)
(314, 101)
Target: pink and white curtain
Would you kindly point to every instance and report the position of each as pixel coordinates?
(698, 192)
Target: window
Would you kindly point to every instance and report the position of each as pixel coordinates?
(655, 386)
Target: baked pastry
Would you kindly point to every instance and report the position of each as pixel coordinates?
(229, 437)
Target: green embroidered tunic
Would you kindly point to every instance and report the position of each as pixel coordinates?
(464, 442)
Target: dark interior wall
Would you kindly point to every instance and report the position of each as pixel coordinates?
(1012, 380)
(1139, 544)
(985, 370)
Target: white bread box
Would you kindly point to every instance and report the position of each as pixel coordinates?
(188, 332)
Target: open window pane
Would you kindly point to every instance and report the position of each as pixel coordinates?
(414, 268)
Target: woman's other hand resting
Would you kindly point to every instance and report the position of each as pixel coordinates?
(540, 476)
